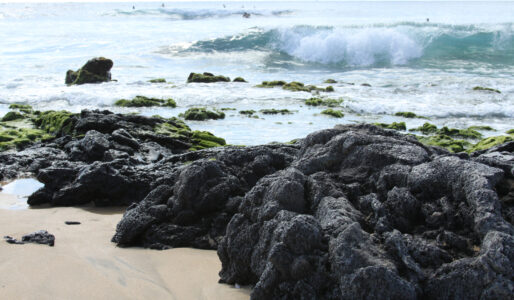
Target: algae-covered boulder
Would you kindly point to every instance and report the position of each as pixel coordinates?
(201, 114)
(426, 128)
(12, 115)
(142, 101)
(323, 102)
(96, 70)
(239, 79)
(332, 112)
(330, 80)
(294, 86)
(157, 80)
(206, 78)
(394, 125)
(407, 114)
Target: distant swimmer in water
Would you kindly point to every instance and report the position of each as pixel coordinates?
(246, 15)
(224, 6)
(133, 7)
(162, 5)
(428, 20)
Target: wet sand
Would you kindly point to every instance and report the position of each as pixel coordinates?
(84, 264)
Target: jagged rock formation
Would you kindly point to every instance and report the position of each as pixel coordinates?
(95, 70)
(353, 212)
(356, 212)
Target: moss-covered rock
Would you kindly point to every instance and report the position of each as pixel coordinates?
(427, 128)
(21, 137)
(463, 133)
(445, 141)
(206, 78)
(239, 79)
(486, 89)
(491, 142)
(333, 113)
(205, 139)
(484, 128)
(315, 101)
(330, 80)
(157, 80)
(394, 125)
(294, 86)
(12, 115)
(55, 122)
(24, 108)
(142, 101)
(201, 114)
(95, 70)
(227, 108)
(510, 131)
(273, 111)
(407, 114)
(247, 112)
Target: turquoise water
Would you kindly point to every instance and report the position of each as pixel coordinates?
(429, 67)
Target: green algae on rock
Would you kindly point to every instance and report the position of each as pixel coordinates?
(394, 125)
(427, 128)
(55, 122)
(206, 77)
(24, 108)
(201, 114)
(247, 112)
(21, 137)
(486, 89)
(323, 102)
(274, 111)
(482, 127)
(95, 70)
(12, 115)
(239, 79)
(142, 101)
(332, 112)
(463, 133)
(491, 142)
(157, 80)
(510, 131)
(205, 139)
(330, 80)
(408, 114)
(445, 141)
(294, 86)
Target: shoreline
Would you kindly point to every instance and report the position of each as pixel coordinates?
(84, 264)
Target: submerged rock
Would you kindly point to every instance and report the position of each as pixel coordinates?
(95, 70)
(353, 212)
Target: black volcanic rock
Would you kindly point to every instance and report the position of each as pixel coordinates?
(95, 70)
(356, 212)
(353, 212)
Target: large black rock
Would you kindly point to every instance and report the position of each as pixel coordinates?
(95, 70)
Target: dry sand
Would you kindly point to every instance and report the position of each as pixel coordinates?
(84, 264)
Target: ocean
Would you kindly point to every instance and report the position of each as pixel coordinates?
(422, 57)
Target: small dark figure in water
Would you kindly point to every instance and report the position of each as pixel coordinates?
(246, 15)
(162, 5)
(133, 7)
(428, 20)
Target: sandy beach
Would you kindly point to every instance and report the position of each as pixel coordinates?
(84, 264)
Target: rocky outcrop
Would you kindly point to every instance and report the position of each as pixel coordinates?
(95, 70)
(38, 237)
(206, 77)
(354, 212)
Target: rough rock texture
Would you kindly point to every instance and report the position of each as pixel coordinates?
(95, 70)
(38, 237)
(357, 212)
(108, 159)
(353, 212)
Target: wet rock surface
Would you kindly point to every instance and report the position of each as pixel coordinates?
(353, 212)
(95, 70)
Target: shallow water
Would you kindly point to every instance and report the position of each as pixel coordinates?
(21, 188)
(413, 65)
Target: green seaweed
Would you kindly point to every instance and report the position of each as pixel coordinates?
(464, 133)
(486, 89)
(142, 101)
(510, 131)
(333, 113)
(55, 122)
(205, 139)
(239, 79)
(491, 142)
(247, 112)
(274, 111)
(157, 80)
(484, 128)
(394, 125)
(323, 102)
(24, 108)
(445, 141)
(427, 128)
(294, 86)
(201, 114)
(206, 78)
(227, 108)
(11, 116)
(407, 114)
(330, 80)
